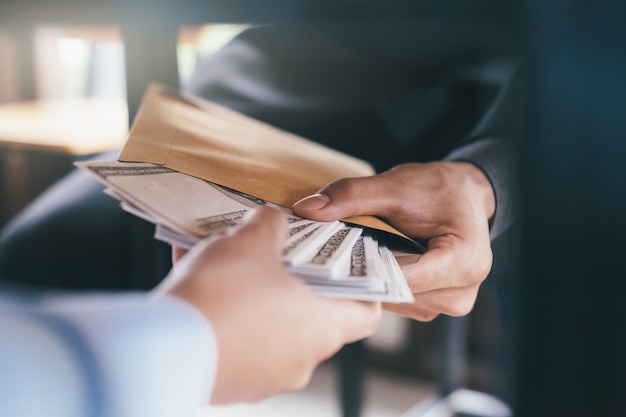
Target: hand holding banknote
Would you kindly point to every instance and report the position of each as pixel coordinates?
(333, 258)
(446, 204)
(272, 331)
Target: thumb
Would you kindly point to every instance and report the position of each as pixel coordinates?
(346, 197)
(264, 225)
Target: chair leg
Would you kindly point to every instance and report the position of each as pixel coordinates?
(351, 370)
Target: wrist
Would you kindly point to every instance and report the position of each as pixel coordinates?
(481, 185)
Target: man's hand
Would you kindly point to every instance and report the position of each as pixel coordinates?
(446, 204)
(272, 331)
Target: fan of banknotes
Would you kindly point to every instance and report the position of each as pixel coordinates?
(333, 258)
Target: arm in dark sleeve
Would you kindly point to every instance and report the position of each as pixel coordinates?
(493, 147)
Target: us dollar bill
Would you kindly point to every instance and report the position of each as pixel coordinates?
(183, 203)
(326, 258)
(306, 240)
(330, 257)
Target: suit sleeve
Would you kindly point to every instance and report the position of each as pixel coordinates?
(104, 356)
(493, 146)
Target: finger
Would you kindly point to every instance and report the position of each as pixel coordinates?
(449, 262)
(411, 311)
(455, 302)
(177, 254)
(347, 197)
(352, 320)
(264, 226)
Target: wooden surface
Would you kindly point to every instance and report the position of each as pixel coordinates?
(70, 126)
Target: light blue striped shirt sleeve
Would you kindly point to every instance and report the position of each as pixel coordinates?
(104, 355)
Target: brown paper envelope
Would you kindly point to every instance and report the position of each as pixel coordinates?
(200, 138)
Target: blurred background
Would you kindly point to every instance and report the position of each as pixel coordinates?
(63, 96)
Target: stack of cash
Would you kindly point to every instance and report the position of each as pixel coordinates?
(333, 258)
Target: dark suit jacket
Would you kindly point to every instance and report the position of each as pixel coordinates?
(390, 90)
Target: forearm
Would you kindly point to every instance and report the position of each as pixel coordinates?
(116, 355)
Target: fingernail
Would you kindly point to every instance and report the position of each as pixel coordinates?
(313, 202)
